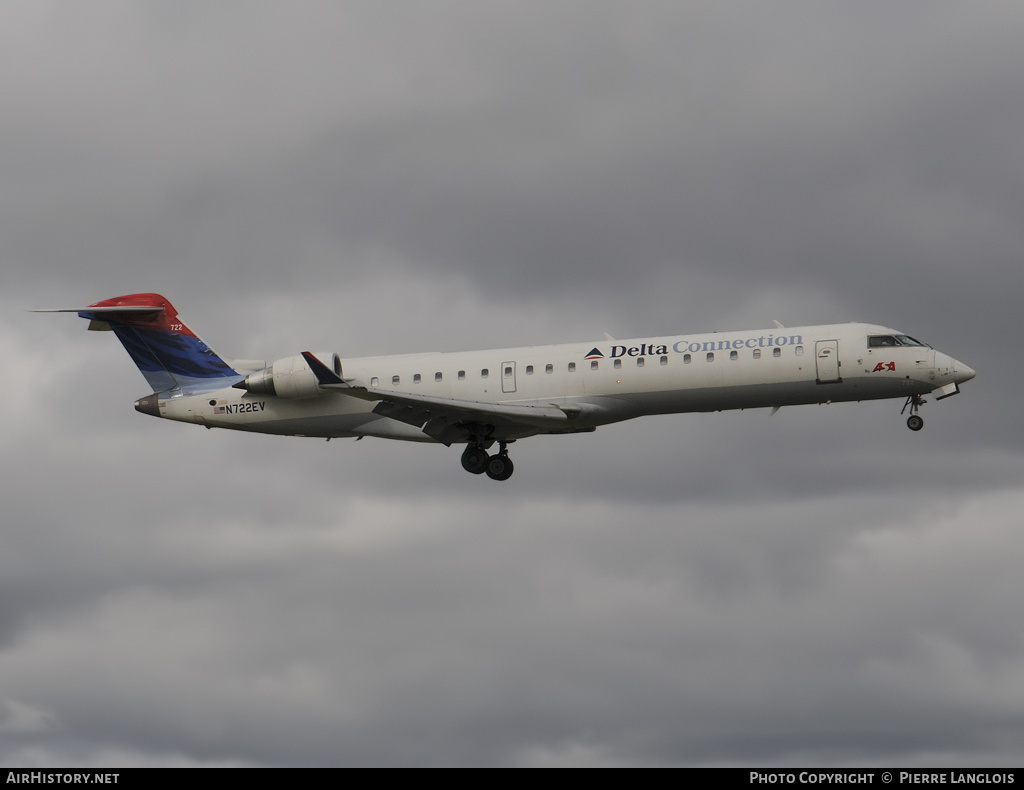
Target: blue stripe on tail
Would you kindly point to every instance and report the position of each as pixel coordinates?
(170, 361)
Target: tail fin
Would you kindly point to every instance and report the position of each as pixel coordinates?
(169, 354)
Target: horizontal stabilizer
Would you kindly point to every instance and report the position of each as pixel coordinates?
(100, 310)
(92, 313)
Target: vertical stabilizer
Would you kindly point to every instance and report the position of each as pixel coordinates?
(169, 354)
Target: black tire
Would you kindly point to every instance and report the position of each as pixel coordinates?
(474, 460)
(499, 467)
(914, 422)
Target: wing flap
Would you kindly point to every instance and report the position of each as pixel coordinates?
(402, 412)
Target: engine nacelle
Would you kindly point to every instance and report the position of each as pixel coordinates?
(290, 377)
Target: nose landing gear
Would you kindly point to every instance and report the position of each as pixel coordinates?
(914, 421)
(498, 466)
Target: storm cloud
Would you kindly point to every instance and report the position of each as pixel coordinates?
(819, 587)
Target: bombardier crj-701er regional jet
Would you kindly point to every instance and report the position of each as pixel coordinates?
(482, 398)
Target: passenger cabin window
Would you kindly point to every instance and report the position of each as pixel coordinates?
(484, 373)
(757, 353)
(799, 351)
(593, 365)
(572, 367)
(776, 352)
(711, 356)
(374, 381)
(396, 379)
(663, 360)
(529, 370)
(462, 375)
(416, 379)
(437, 376)
(549, 368)
(734, 355)
(687, 359)
(617, 364)
(639, 362)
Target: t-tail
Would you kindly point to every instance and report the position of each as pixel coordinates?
(169, 354)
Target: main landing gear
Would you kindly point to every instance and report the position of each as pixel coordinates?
(914, 421)
(476, 461)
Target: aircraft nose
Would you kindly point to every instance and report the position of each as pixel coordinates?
(952, 371)
(962, 372)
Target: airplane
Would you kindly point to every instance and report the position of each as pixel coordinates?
(498, 396)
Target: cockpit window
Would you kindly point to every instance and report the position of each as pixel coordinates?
(882, 341)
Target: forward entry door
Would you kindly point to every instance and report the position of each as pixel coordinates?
(826, 353)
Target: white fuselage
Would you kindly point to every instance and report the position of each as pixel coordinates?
(601, 382)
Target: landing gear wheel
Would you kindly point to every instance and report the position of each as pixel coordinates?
(914, 402)
(499, 467)
(474, 459)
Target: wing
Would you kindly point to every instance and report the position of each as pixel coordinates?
(450, 419)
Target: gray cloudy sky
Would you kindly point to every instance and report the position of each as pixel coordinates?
(821, 587)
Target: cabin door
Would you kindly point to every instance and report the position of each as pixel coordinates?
(826, 353)
(508, 376)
